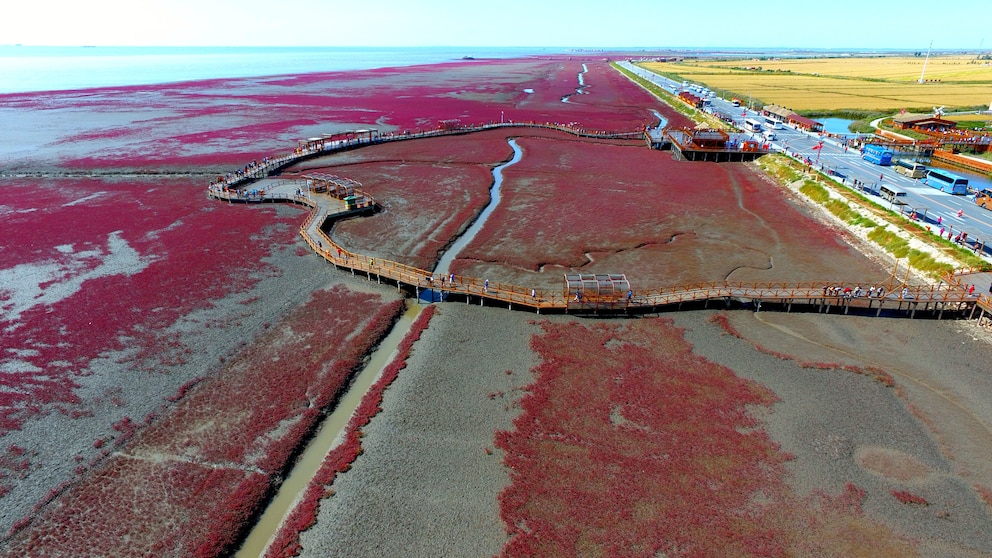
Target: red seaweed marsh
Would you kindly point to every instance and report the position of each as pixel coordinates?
(166, 357)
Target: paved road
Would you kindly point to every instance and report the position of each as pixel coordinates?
(847, 166)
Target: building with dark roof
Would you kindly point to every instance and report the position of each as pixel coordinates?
(930, 122)
(804, 123)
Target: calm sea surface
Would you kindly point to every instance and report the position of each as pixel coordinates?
(33, 68)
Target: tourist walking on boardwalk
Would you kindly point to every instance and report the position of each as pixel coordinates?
(485, 286)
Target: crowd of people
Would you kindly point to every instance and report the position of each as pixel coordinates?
(856, 292)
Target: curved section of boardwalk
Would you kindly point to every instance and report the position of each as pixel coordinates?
(950, 295)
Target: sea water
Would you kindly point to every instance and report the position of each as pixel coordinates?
(39, 68)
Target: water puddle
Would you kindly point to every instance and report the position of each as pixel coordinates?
(327, 437)
(580, 90)
(662, 121)
(494, 197)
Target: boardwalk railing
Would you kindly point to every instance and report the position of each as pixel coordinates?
(948, 295)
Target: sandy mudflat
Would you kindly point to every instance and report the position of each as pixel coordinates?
(425, 485)
(830, 418)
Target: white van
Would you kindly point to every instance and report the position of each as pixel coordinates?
(769, 135)
(892, 193)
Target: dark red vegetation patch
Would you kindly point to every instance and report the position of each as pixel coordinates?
(907, 497)
(631, 445)
(97, 266)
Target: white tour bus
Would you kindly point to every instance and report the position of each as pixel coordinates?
(752, 125)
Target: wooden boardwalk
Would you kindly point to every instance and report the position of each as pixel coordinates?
(950, 296)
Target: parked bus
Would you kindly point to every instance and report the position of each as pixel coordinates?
(752, 125)
(772, 124)
(891, 193)
(946, 181)
(910, 168)
(877, 154)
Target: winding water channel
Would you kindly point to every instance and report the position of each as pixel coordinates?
(494, 198)
(329, 434)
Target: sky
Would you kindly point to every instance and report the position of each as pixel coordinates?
(640, 24)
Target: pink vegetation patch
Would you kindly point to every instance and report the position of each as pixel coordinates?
(93, 266)
(664, 459)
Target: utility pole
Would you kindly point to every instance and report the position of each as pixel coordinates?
(925, 60)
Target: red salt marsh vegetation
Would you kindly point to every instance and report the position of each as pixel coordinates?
(215, 124)
(582, 205)
(134, 507)
(120, 266)
(667, 458)
(227, 426)
(96, 267)
(255, 412)
(194, 477)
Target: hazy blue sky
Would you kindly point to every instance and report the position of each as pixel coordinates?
(575, 23)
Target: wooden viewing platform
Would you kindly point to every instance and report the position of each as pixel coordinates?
(711, 145)
(820, 296)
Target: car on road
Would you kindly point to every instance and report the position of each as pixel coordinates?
(984, 198)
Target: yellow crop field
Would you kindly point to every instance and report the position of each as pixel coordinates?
(863, 83)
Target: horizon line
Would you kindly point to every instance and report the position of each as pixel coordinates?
(617, 48)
